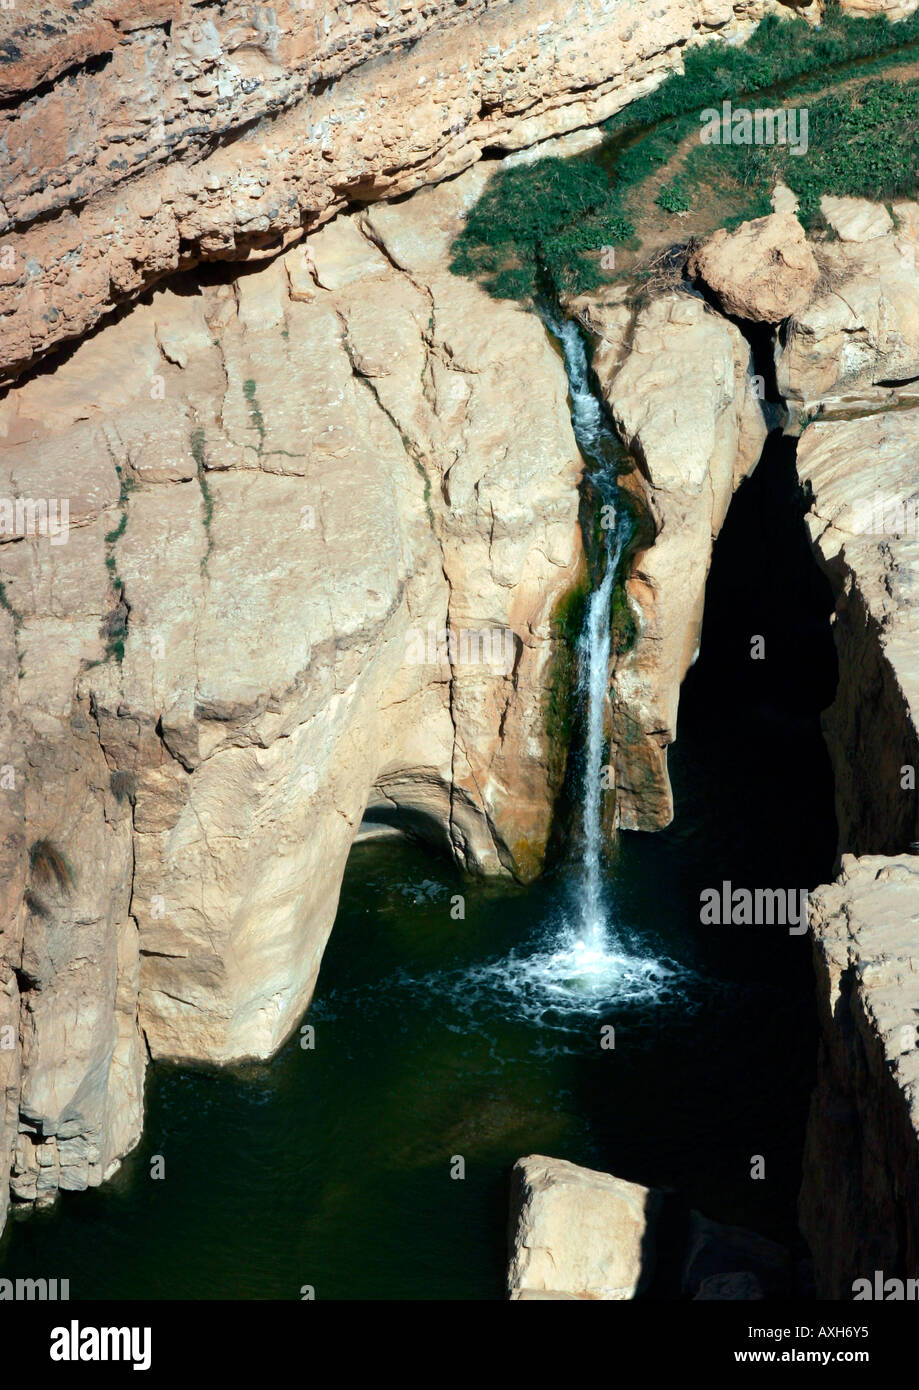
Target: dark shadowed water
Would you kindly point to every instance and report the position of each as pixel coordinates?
(438, 1038)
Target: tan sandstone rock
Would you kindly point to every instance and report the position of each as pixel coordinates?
(860, 1198)
(865, 528)
(140, 138)
(579, 1233)
(685, 400)
(861, 1169)
(280, 503)
(862, 326)
(765, 270)
(856, 219)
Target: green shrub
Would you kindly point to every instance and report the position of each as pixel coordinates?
(672, 199)
(35, 904)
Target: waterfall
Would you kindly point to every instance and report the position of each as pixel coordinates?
(600, 447)
(593, 662)
(577, 962)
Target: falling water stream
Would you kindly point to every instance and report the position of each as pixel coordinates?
(595, 439)
(592, 957)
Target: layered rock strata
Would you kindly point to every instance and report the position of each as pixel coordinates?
(143, 137)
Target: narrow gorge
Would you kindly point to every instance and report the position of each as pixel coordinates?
(445, 504)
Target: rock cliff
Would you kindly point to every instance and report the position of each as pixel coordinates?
(291, 485)
(678, 379)
(845, 361)
(291, 474)
(144, 136)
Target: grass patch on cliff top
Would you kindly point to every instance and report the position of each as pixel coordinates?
(545, 225)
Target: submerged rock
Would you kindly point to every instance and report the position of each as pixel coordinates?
(730, 1262)
(577, 1233)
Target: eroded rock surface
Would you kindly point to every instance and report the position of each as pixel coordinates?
(680, 384)
(285, 488)
(763, 271)
(864, 522)
(861, 1169)
(861, 329)
(142, 137)
(860, 1198)
(578, 1233)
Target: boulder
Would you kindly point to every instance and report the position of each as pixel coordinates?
(764, 271)
(861, 328)
(856, 219)
(579, 1233)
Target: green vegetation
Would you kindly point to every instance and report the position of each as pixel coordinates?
(623, 623)
(550, 217)
(5, 603)
(49, 868)
(567, 622)
(781, 52)
(549, 226)
(207, 497)
(255, 415)
(863, 142)
(258, 424)
(672, 198)
(17, 621)
(115, 627)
